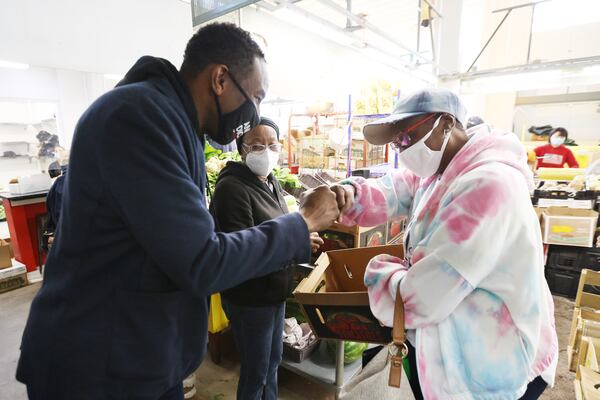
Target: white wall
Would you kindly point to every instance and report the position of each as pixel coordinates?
(104, 36)
(71, 44)
(582, 120)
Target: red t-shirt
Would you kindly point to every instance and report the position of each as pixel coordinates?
(555, 157)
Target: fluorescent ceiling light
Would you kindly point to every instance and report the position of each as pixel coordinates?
(298, 19)
(515, 82)
(113, 77)
(13, 65)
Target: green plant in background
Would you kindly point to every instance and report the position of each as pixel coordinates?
(215, 162)
(286, 178)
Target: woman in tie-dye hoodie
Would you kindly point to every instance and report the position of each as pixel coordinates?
(478, 311)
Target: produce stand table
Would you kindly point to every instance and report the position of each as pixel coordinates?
(22, 212)
(319, 367)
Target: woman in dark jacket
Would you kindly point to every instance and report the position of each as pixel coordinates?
(247, 194)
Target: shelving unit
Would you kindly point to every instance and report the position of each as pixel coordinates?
(311, 147)
(319, 368)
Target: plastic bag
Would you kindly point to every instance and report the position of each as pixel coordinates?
(217, 320)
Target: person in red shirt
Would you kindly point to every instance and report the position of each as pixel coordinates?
(555, 154)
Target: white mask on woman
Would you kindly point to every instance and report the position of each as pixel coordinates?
(262, 163)
(422, 160)
(557, 141)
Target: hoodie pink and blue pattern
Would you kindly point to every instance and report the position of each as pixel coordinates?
(478, 309)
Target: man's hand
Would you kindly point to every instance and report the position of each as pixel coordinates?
(315, 242)
(345, 197)
(319, 208)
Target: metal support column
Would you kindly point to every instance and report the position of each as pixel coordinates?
(339, 368)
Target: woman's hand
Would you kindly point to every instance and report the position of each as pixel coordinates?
(344, 195)
(315, 242)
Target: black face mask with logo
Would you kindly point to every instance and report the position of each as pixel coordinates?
(237, 122)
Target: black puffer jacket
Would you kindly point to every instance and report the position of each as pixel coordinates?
(242, 201)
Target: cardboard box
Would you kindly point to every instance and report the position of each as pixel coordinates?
(6, 254)
(13, 277)
(371, 237)
(569, 227)
(334, 298)
(339, 237)
(395, 229)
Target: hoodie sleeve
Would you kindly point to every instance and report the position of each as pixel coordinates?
(232, 206)
(146, 172)
(377, 200)
(570, 159)
(452, 259)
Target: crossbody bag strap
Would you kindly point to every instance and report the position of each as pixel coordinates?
(398, 349)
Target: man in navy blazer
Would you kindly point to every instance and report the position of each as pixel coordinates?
(122, 312)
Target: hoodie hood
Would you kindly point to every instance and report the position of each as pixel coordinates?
(489, 146)
(166, 78)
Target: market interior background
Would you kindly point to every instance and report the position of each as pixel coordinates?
(516, 63)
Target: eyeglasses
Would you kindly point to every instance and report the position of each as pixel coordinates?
(403, 140)
(260, 148)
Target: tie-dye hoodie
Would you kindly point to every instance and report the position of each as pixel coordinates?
(478, 309)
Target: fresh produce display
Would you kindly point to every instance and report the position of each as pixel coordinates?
(215, 162)
(292, 310)
(286, 178)
(352, 350)
(336, 241)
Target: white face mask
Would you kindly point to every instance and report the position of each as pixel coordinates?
(557, 141)
(420, 159)
(262, 163)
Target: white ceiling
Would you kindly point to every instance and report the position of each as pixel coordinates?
(397, 18)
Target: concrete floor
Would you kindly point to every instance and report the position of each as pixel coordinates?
(218, 382)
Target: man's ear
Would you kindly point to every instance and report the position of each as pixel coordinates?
(217, 78)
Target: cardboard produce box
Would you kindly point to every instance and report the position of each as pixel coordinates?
(569, 227)
(395, 230)
(13, 277)
(334, 298)
(6, 254)
(339, 237)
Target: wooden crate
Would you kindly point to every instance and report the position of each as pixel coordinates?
(586, 305)
(587, 323)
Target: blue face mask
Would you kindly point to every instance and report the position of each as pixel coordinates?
(557, 141)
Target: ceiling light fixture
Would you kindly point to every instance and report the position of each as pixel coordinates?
(13, 65)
